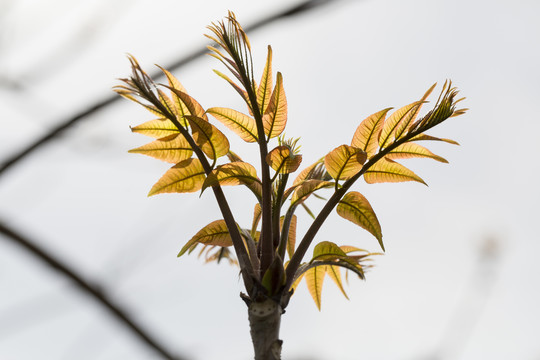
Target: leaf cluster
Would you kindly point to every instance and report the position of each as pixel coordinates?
(270, 258)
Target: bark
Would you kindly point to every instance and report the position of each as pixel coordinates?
(264, 322)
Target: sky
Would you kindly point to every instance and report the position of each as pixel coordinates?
(459, 279)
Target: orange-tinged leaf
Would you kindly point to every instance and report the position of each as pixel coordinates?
(216, 234)
(235, 173)
(412, 150)
(366, 136)
(356, 208)
(282, 160)
(156, 129)
(314, 281)
(429, 137)
(243, 93)
(389, 171)
(173, 149)
(265, 87)
(275, 116)
(291, 239)
(409, 119)
(389, 128)
(335, 274)
(327, 250)
(194, 108)
(243, 125)
(257, 214)
(186, 176)
(173, 81)
(179, 108)
(307, 173)
(344, 162)
(212, 141)
(307, 188)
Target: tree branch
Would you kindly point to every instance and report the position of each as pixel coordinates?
(89, 290)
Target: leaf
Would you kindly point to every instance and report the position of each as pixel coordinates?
(212, 141)
(327, 250)
(389, 171)
(178, 106)
(291, 238)
(428, 137)
(184, 177)
(242, 125)
(275, 116)
(306, 188)
(173, 148)
(282, 160)
(314, 171)
(335, 274)
(344, 162)
(243, 93)
(412, 150)
(408, 121)
(216, 233)
(366, 136)
(257, 214)
(265, 87)
(356, 208)
(235, 173)
(156, 129)
(194, 108)
(314, 281)
(390, 125)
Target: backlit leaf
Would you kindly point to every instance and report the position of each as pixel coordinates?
(428, 137)
(194, 108)
(314, 281)
(243, 93)
(389, 171)
(307, 188)
(356, 208)
(390, 125)
(243, 125)
(186, 176)
(257, 214)
(265, 87)
(335, 274)
(179, 108)
(409, 119)
(216, 233)
(412, 150)
(291, 239)
(312, 171)
(157, 128)
(275, 116)
(212, 141)
(344, 162)
(235, 173)
(173, 148)
(327, 250)
(366, 136)
(282, 160)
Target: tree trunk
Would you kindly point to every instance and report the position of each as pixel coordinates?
(264, 321)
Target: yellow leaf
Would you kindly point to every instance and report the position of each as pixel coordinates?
(409, 119)
(257, 214)
(366, 136)
(173, 148)
(193, 107)
(389, 171)
(291, 239)
(235, 173)
(215, 234)
(428, 137)
(157, 128)
(212, 141)
(243, 93)
(389, 128)
(412, 150)
(265, 88)
(344, 162)
(243, 125)
(307, 188)
(179, 108)
(314, 281)
(335, 274)
(282, 160)
(186, 176)
(307, 173)
(327, 250)
(275, 116)
(356, 208)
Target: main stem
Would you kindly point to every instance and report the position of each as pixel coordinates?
(264, 323)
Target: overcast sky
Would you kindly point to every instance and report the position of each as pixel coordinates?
(460, 276)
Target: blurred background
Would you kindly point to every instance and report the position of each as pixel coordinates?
(460, 276)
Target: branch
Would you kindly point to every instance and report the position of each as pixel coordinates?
(87, 289)
(82, 115)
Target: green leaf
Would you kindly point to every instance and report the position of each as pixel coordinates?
(157, 128)
(173, 148)
(344, 162)
(243, 125)
(275, 117)
(307, 188)
(356, 208)
(412, 150)
(212, 141)
(389, 171)
(265, 87)
(282, 160)
(184, 177)
(366, 136)
(314, 281)
(327, 250)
